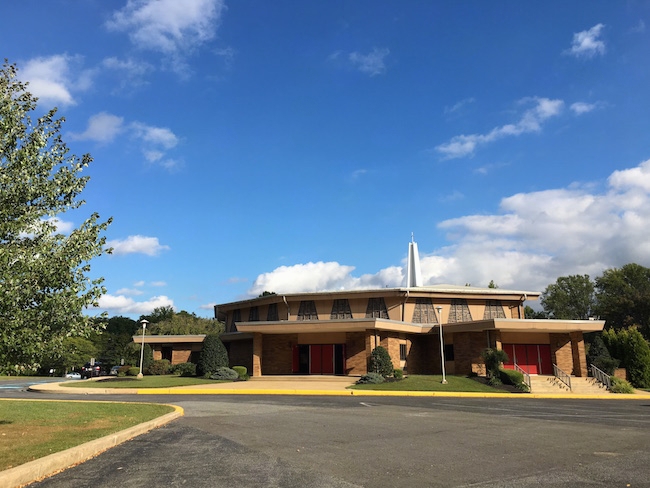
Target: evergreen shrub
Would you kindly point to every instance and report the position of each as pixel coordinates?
(242, 371)
(380, 362)
(621, 386)
(213, 356)
(371, 379)
(159, 367)
(133, 371)
(184, 369)
(398, 374)
(224, 373)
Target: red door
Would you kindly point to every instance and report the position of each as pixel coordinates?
(327, 359)
(510, 351)
(546, 364)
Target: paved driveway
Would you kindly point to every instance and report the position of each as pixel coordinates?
(297, 441)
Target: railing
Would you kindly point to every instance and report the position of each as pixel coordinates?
(526, 376)
(562, 376)
(600, 376)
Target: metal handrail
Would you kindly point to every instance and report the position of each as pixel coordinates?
(600, 376)
(526, 376)
(562, 376)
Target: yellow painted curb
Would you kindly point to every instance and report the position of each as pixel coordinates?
(59, 461)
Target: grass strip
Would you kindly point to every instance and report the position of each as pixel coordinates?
(163, 381)
(31, 429)
(431, 383)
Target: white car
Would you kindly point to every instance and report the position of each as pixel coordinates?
(73, 376)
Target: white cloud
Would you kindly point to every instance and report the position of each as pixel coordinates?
(371, 63)
(580, 108)
(137, 245)
(208, 306)
(102, 127)
(61, 226)
(158, 283)
(586, 44)
(129, 291)
(158, 136)
(530, 121)
(168, 26)
(459, 105)
(533, 239)
(120, 304)
(51, 78)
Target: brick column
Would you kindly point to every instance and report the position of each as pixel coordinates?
(579, 356)
(257, 354)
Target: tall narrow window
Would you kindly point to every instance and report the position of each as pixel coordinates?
(493, 310)
(272, 313)
(402, 352)
(307, 310)
(424, 312)
(236, 317)
(376, 308)
(253, 314)
(341, 309)
(459, 311)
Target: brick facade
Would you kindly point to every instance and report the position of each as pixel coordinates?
(277, 353)
(562, 352)
(467, 352)
(357, 347)
(240, 353)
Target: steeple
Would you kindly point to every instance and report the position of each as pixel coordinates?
(413, 272)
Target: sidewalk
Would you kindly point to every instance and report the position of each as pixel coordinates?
(309, 385)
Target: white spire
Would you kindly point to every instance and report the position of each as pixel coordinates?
(413, 272)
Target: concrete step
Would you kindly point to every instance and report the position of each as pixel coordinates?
(580, 386)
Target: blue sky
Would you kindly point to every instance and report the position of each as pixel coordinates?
(295, 146)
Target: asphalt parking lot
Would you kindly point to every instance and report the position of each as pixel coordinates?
(292, 441)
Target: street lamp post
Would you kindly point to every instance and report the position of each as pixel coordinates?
(144, 323)
(442, 345)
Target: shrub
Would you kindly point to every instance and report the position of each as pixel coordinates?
(159, 366)
(600, 357)
(242, 371)
(224, 373)
(606, 364)
(493, 359)
(637, 359)
(123, 371)
(380, 362)
(184, 369)
(514, 378)
(494, 381)
(398, 374)
(621, 386)
(213, 356)
(133, 371)
(371, 379)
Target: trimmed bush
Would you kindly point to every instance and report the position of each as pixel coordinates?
(224, 373)
(371, 379)
(621, 386)
(133, 371)
(123, 371)
(159, 367)
(380, 362)
(213, 356)
(184, 369)
(514, 378)
(242, 371)
(398, 374)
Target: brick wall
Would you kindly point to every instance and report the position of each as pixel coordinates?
(579, 355)
(420, 358)
(277, 353)
(390, 341)
(357, 345)
(467, 352)
(240, 353)
(257, 355)
(561, 352)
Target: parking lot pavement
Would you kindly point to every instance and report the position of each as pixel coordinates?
(343, 442)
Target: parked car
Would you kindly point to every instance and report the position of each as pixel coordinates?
(115, 370)
(73, 375)
(88, 371)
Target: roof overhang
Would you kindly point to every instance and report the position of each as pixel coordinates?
(321, 326)
(527, 325)
(169, 339)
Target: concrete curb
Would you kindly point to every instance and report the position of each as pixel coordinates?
(59, 461)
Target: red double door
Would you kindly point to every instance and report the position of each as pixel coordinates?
(532, 358)
(319, 359)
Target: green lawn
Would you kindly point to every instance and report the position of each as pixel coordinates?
(431, 383)
(31, 429)
(163, 381)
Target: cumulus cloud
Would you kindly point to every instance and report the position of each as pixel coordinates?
(129, 291)
(532, 240)
(53, 78)
(102, 127)
(580, 108)
(168, 26)
(457, 107)
(155, 142)
(372, 63)
(137, 245)
(120, 304)
(586, 44)
(530, 121)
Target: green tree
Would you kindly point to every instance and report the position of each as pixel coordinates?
(492, 284)
(599, 356)
(569, 298)
(159, 314)
(623, 297)
(213, 356)
(185, 323)
(531, 313)
(493, 359)
(380, 362)
(44, 283)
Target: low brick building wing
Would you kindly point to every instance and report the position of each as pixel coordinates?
(335, 332)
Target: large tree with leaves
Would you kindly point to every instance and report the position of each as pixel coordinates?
(623, 296)
(44, 282)
(569, 298)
